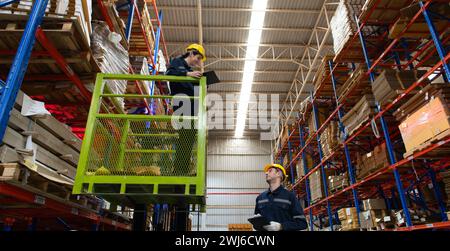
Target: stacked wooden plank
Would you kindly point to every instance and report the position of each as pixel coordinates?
(359, 114)
(80, 10)
(54, 148)
(323, 71)
(391, 83)
(355, 85)
(61, 95)
(425, 118)
(371, 162)
(329, 138)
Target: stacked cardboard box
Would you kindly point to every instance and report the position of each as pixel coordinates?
(343, 24)
(316, 184)
(371, 162)
(286, 160)
(379, 219)
(338, 182)
(421, 98)
(300, 167)
(322, 116)
(391, 83)
(355, 84)
(80, 10)
(322, 72)
(446, 180)
(425, 117)
(329, 138)
(417, 217)
(418, 27)
(284, 135)
(359, 114)
(349, 218)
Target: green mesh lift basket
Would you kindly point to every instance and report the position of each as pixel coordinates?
(144, 158)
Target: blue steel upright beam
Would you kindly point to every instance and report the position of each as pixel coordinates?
(291, 169)
(20, 63)
(319, 147)
(346, 151)
(7, 2)
(392, 159)
(437, 42)
(438, 195)
(155, 57)
(306, 171)
(130, 20)
(404, 44)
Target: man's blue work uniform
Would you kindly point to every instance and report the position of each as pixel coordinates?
(283, 207)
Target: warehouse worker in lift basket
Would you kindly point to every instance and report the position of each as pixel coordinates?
(182, 66)
(278, 205)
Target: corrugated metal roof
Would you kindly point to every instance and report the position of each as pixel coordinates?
(288, 27)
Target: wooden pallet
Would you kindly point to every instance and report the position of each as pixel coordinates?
(68, 38)
(357, 85)
(14, 172)
(443, 150)
(386, 11)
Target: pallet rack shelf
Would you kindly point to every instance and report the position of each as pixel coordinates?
(71, 65)
(399, 53)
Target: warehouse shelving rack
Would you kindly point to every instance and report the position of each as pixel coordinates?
(10, 87)
(392, 178)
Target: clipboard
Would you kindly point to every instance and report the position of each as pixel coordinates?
(258, 221)
(211, 78)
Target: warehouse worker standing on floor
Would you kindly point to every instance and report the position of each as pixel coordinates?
(278, 205)
(182, 66)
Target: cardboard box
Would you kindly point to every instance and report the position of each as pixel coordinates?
(359, 113)
(299, 166)
(348, 218)
(286, 160)
(428, 122)
(316, 185)
(391, 83)
(374, 204)
(372, 161)
(329, 138)
(374, 218)
(338, 182)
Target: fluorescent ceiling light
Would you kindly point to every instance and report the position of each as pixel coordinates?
(253, 41)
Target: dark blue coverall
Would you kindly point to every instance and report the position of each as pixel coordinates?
(283, 207)
(179, 67)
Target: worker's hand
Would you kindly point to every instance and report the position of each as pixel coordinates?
(274, 226)
(195, 74)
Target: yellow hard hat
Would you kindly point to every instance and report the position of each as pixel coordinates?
(198, 48)
(278, 166)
